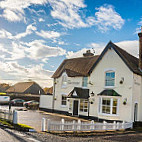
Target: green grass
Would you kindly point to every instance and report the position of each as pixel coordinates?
(21, 127)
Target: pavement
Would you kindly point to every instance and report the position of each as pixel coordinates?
(33, 118)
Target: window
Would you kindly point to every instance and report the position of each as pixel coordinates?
(109, 106)
(64, 80)
(70, 105)
(84, 81)
(110, 78)
(64, 100)
(84, 105)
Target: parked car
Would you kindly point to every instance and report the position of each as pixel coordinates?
(17, 102)
(4, 99)
(31, 104)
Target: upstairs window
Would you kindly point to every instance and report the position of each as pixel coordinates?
(64, 80)
(84, 81)
(110, 78)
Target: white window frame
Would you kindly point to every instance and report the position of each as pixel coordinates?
(110, 71)
(111, 106)
(84, 100)
(86, 82)
(64, 80)
(64, 100)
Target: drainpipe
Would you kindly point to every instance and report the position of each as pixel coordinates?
(53, 95)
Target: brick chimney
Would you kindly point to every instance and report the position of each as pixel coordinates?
(88, 53)
(140, 49)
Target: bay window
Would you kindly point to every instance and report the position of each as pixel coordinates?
(109, 106)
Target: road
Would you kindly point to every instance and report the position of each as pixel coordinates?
(8, 135)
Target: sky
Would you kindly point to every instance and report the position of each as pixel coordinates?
(37, 35)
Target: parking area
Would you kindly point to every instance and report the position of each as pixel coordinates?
(33, 118)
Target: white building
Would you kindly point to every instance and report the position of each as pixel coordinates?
(108, 86)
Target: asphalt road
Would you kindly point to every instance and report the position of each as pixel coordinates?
(8, 135)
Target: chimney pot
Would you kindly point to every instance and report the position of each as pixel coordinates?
(88, 53)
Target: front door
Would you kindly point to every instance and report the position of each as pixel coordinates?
(135, 112)
(75, 107)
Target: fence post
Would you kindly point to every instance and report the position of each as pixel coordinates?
(15, 118)
(123, 125)
(73, 125)
(114, 125)
(92, 125)
(117, 126)
(43, 127)
(62, 124)
(79, 125)
(104, 125)
(48, 125)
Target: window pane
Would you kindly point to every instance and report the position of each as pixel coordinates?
(114, 110)
(64, 100)
(114, 102)
(84, 81)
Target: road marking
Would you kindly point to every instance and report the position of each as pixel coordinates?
(32, 139)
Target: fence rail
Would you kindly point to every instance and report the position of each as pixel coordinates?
(82, 126)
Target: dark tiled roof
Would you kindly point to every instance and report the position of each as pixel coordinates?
(108, 92)
(81, 93)
(85, 65)
(131, 61)
(76, 66)
(25, 87)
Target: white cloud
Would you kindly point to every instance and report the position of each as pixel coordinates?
(29, 30)
(13, 10)
(38, 50)
(131, 47)
(7, 35)
(22, 73)
(41, 20)
(107, 17)
(48, 34)
(67, 12)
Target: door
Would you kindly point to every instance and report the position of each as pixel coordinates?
(135, 112)
(75, 107)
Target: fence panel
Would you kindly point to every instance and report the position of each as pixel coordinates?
(85, 126)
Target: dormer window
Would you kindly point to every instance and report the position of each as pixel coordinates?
(84, 81)
(64, 80)
(109, 78)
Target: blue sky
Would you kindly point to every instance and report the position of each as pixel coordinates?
(37, 35)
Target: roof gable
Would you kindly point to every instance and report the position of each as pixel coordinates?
(131, 61)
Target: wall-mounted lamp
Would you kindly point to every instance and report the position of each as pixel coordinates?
(92, 93)
(125, 101)
(92, 101)
(90, 83)
(122, 80)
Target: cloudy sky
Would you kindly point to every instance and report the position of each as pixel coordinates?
(37, 35)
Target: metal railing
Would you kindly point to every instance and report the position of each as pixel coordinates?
(82, 126)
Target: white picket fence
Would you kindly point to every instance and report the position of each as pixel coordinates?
(82, 126)
(9, 115)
